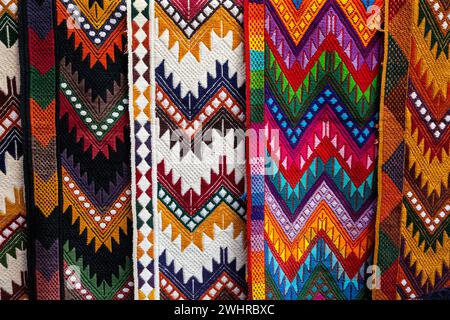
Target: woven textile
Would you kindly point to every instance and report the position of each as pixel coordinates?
(190, 206)
(12, 206)
(413, 223)
(224, 149)
(313, 78)
(78, 188)
(141, 114)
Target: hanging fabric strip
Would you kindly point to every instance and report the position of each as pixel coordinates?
(314, 83)
(141, 80)
(76, 115)
(39, 109)
(190, 208)
(413, 223)
(13, 252)
(254, 36)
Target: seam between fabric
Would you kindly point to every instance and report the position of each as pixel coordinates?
(153, 129)
(27, 160)
(130, 33)
(411, 23)
(60, 208)
(381, 136)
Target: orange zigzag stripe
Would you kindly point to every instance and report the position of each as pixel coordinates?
(101, 226)
(101, 54)
(323, 219)
(222, 20)
(223, 216)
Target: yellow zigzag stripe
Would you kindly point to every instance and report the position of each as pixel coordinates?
(322, 219)
(94, 231)
(139, 253)
(435, 71)
(140, 239)
(429, 262)
(143, 296)
(434, 172)
(13, 209)
(45, 193)
(298, 21)
(137, 109)
(222, 20)
(223, 216)
(97, 15)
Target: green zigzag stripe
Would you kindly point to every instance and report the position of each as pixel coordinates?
(17, 241)
(328, 69)
(437, 38)
(419, 227)
(321, 280)
(320, 277)
(103, 291)
(193, 222)
(356, 196)
(109, 120)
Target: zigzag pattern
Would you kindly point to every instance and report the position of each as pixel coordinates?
(414, 208)
(38, 50)
(93, 110)
(312, 81)
(316, 64)
(80, 196)
(13, 268)
(190, 209)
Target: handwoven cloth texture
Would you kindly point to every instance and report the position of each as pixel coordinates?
(189, 149)
(13, 250)
(314, 84)
(413, 221)
(78, 188)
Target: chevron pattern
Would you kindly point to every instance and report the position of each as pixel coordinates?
(80, 197)
(413, 245)
(39, 99)
(241, 154)
(314, 82)
(95, 168)
(9, 31)
(13, 242)
(191, 214)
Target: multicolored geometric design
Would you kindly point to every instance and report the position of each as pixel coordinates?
(190, 208)
(38, 88)
(142, 113)
(313, 82)
(13, 263)
(413, 222)
(77, 112)
(224, 149)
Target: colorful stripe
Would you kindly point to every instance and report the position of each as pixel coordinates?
(413, 221)
(13, 252)
(78, 126)
(252, 129)
(314, 85)
(191, 225)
